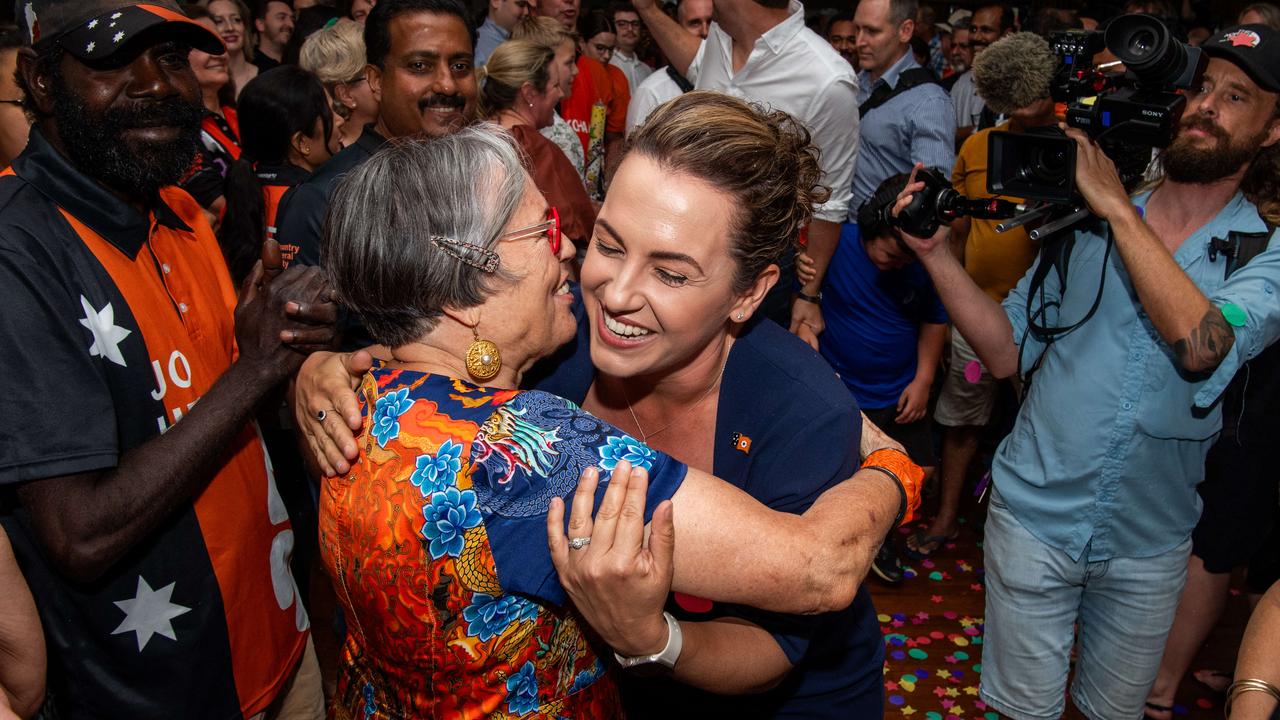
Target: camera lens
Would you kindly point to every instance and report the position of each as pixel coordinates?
(1141, 43)
(1147, 48)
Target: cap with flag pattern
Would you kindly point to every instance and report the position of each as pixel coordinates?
(1254, 48)
(97, 29)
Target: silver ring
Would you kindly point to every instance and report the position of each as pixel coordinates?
(579, 542)
(321, 415)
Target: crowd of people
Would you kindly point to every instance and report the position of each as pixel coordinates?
(593, 353)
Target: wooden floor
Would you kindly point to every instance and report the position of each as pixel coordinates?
(933, 623)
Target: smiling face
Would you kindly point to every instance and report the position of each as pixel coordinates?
(229, 24)
(276, 25)
(600, 46)
(544, 102)
(531, 317)
(427, 83)
(506, 13)
(211, 70)
(844, 38)
(658, 277)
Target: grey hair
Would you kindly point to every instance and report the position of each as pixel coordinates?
(382, 248)
(902, 10)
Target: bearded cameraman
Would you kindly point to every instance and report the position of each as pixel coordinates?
(1095, 488)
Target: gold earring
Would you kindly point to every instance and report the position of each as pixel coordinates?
(483, 359)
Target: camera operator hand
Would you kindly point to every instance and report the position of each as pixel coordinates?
(1096, 177)
(922, 247)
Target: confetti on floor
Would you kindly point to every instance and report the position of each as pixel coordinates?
(933, 631)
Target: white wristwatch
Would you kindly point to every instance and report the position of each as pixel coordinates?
(665, 659)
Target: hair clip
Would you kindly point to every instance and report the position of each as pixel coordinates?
(473, 255)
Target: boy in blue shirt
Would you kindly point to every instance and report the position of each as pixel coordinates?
(885, 332)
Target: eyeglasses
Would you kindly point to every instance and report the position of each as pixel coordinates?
(550, 226)
(633, 24)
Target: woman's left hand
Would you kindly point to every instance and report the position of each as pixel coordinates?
(617, 583)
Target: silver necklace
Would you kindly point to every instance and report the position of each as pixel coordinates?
(644, 437)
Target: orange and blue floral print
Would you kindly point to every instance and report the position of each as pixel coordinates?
(436, 545)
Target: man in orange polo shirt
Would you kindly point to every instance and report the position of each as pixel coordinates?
(148, 523)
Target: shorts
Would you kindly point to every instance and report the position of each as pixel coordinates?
(916, 437)
(962, 402)
(1040, 602)
(1240, 495)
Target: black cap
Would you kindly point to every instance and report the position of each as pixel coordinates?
(96, 29)
(1254, 48)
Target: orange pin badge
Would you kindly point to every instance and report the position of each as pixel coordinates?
(741, 443)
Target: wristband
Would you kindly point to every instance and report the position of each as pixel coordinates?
(815, 299)
(908, 476)
(666, 659)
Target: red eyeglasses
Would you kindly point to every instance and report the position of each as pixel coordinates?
(550, 226)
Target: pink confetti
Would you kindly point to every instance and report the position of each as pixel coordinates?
(973, 371)
(936, 599)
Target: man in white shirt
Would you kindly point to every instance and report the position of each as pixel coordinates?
(503, 15)
(695, 17)
(760, 50)
(627, 21)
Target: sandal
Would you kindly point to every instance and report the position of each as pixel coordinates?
(921, 540)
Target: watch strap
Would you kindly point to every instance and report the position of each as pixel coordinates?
(665, 659)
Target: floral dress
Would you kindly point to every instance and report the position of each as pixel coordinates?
(436, 545)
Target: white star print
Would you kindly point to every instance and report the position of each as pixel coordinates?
(116, 16)
(93, 23)
(107, 336)
(117, 37)
(149, 613)
(89, 48)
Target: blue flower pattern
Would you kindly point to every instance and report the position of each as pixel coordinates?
(522, 691)
(488, 617)
(370, 707)
(386, 415)
(437, 472)
(448, 514)
(624, 447)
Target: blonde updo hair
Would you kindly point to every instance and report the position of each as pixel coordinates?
(763, 160)
(511, 65)
(335, 54)
(545, 31)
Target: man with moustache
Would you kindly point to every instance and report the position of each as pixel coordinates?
(960, 57)
(422, 74)
(989, 23)
(627, 22)
(147, 520)
(843, 36)
(695, 17)
(1095, 488)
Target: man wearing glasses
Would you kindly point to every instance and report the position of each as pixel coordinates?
(627, 21)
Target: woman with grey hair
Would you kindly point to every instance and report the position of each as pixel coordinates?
(436, 539)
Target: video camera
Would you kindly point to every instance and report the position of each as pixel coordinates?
(1127, 114)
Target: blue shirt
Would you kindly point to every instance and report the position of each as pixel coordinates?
(1110, 443)
(918, 125)
(800, 431)
(489, 36)
(873, 321)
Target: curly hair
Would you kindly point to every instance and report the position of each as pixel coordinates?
(1261, 183)
(764, 160)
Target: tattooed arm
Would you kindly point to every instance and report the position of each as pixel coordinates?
(1184, 317)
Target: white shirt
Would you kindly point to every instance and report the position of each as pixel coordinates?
(634, 68)
(792, 69)
(655, 90)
